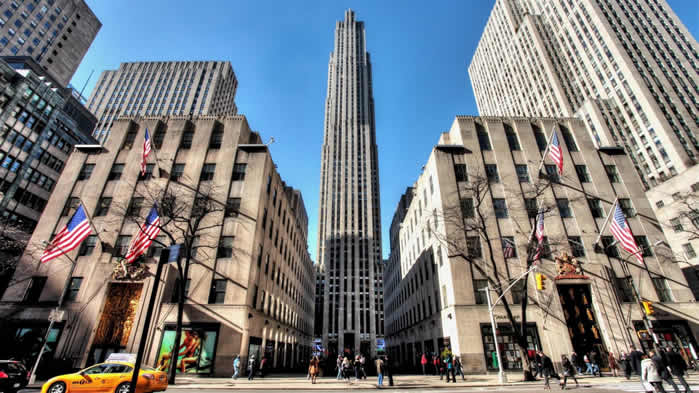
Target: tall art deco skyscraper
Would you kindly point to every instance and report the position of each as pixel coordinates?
(349, 230)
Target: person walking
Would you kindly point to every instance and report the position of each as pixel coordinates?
(387, 370)
(594, 361)
(313, 369)
(263, 365)
(635, 357)
(650, 375)
(379, 371)
(626, 365)
(423, 362)
(362, 361)
(338, 364)
(662, 366)
(346, 369)
(537, 365)
(612, 363)
(548, 370)
(678, 367)
(568, 371)
(435, 364)
(449, 365)
(575, 359)
(459, 368)
(236, 367)
(251, 368)
(588, 365)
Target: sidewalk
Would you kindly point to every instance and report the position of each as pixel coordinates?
(297, 382)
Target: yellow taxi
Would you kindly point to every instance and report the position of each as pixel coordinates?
(111, 377)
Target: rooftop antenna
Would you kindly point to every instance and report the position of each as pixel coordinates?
(85, 85)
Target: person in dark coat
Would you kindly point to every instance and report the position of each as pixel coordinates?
(547, 369)
(537, 365)
(626, 365)
(662, 366)
(678, 367)
(568, 371)
(387, 370)
(635, 358)
(575, 359)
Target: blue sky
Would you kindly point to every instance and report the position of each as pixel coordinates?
(279, 50)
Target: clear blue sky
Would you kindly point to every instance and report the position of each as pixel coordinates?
(280, 49)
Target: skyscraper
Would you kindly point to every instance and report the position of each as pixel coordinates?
(55, 33)
(630, 68)
(162, 88)
(349, 230)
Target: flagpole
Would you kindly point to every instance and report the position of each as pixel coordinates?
(606, 221)
(543, 157)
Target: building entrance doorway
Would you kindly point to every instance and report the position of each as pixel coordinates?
(580, 320)
(116, 321)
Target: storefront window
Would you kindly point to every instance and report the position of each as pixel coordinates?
(196, 351)
(509, 350)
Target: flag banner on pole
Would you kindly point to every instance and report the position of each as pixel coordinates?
(77, 229)
(556, 153)
(145, 236)
(508, 249)
(146, 151)
(622, 233)
(539, 233)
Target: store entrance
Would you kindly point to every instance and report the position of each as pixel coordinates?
(580, 320)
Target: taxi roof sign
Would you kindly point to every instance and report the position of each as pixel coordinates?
(122, 357)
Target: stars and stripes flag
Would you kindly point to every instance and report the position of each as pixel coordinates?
(77, 229)
(539, 233)
(508, 248)
(556, 153)
(145, 236)
(622, 233)
(146, 151)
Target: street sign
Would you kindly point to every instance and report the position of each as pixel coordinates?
(57, 315)
(174, 253)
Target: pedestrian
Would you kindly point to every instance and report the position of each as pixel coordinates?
(449, 365)
(435, 364)
(612, 363)
(626, 365)
(263, 364)
(636, 356)
(346, 369)
(678, 367)
(537, 365)
(251, 368)
(575, 359)
(595, 364)
(423, 362)
(379, 371)
(236, 367)
(387, 370)
(568, 371)
(548, 370)
(313, 369)
(442, 369)
(650, 375)
(588, 365)
(338, 364)
(362, 361)
(663, 369)
(459, 368)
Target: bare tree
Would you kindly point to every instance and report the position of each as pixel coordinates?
(465, 222)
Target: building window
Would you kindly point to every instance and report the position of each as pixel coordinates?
(627, 207)
(115, 173)
(511, 137)
(36, 286)
(216, 139)
(576, 246)
(522, 173)
(207, 172)
(509, 247)
(135, 207)
(569, 139)
(689, 251)
(74, 288)
(676, 224)
(176, 290)
(552, 173)
(609, 247)
(187, 138)
(129, 140)
(518, 291)
(225, 247)
(103, 206)
(473, 247)
(564, 207)
(87, 246)
(479, 287)
(612, 173)
(500, 208)
(148, 174)
(232, 207)
(662, 289)
(269, 183)
(624, 290)
(121, 247)
(531, 206)
(86, 171)
(218, 292)
(177, 172)
(643, 244)
(467, 210)
(460, 172)
(491, 171)
(71, 205)
(541, 141)
(158, 138)
(483, 138)
(659, 204)
(239, 172)
(595, 207)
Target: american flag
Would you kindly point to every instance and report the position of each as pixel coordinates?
(77, 229)
(508, 248)
(539, 233)
(145, 236)
(622, 233)
(556, 153)
(146, 151)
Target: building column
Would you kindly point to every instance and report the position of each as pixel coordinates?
(244, 347)
(276, 346)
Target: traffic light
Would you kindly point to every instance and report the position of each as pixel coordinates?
(540, 281)
(648, 307)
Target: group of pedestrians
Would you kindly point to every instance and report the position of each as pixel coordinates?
(445, 365)
(660, 366)
(346, 367)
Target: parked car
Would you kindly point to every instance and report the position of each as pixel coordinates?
(13, 376)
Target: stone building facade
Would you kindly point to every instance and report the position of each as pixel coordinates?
(249, 290)
(434, 296)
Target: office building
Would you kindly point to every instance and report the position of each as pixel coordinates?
(349, 227)
(249, 290)
(441, 262)
(55, 33)
(630, 70)
(162, 88)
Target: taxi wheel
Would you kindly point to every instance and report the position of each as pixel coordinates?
(123, 387)
(57, 387)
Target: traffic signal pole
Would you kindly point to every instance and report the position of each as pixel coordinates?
(646, 322)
